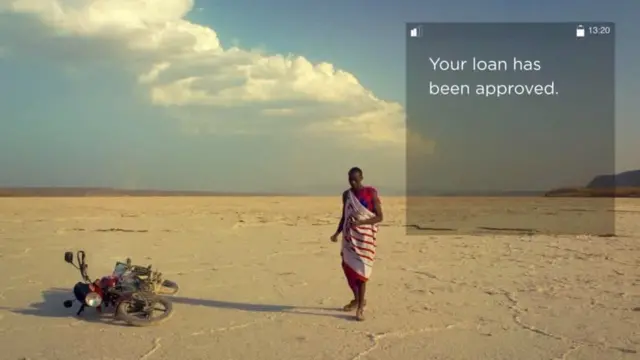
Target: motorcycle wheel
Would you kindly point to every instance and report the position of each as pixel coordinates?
(169, 288)
(140, 308)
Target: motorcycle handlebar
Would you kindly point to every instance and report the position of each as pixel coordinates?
(136, 269)
(83, 265)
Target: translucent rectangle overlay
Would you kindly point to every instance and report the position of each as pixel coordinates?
(515, 110)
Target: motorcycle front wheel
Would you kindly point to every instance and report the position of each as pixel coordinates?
(144, 310)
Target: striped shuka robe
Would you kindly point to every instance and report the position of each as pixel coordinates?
(359, 242)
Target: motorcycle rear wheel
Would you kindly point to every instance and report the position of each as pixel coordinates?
(138, 310)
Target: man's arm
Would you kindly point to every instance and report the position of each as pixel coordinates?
(341, 223)
(377, 209)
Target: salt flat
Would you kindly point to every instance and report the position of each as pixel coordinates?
(260, 280)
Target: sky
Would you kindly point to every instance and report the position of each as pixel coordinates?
(237, 95)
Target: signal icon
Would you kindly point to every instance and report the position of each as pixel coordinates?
(416, 32)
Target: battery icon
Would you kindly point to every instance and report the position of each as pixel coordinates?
(580, 31)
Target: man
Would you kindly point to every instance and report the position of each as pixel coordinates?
(361, 212)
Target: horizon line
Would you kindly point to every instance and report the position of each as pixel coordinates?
(91, 191)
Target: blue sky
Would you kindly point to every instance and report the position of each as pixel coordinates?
(82, 105)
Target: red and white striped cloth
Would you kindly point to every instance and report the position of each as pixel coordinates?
(358, 242)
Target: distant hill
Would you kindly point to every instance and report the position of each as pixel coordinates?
(625, 184)
(627, 179)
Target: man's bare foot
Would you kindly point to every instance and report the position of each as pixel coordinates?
(351, 306)
(360, 314)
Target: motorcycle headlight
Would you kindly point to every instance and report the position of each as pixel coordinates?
(93, 299)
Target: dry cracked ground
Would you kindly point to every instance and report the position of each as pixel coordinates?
(260, 280)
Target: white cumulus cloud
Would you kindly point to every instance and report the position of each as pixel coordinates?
(186, 69)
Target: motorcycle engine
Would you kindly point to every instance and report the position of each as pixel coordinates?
(108, 282)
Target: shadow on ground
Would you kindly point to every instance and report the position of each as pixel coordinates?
(51, 306)
(52, 299)
(264, 308)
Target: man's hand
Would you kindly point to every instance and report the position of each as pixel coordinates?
(334, 237)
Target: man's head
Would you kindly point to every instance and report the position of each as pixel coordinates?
(355, 178)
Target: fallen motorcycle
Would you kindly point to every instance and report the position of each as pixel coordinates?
(133, 291)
